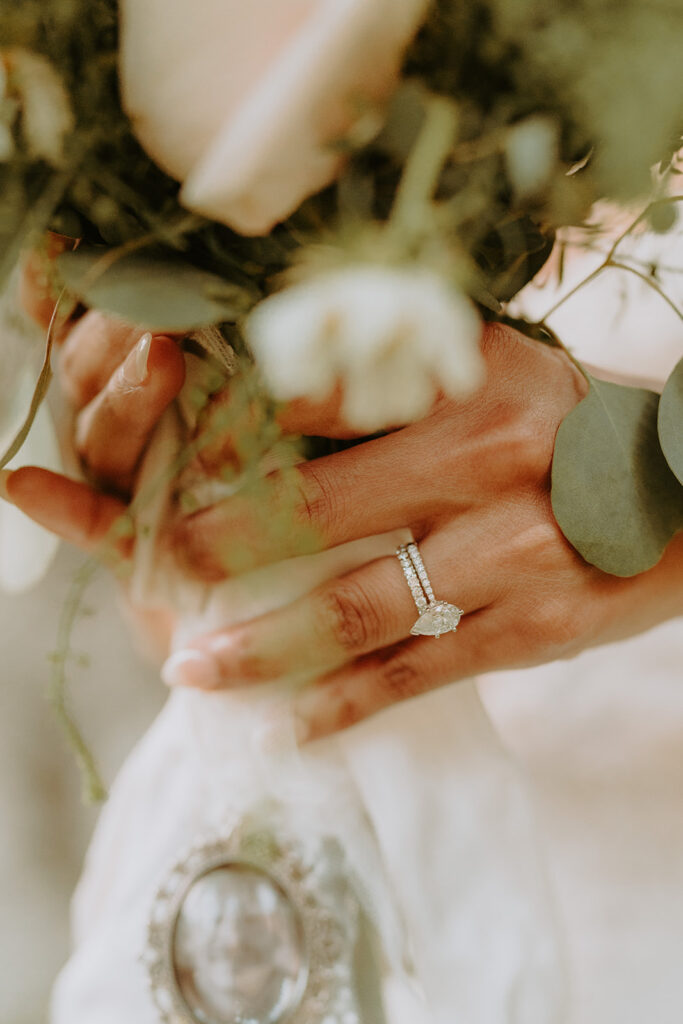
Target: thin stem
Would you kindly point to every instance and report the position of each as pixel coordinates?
(665, 268)
(664, 201)
(40, 389)
(570, 294)
(610, 262)
(651, 283)
(93, 788)
(424, 165)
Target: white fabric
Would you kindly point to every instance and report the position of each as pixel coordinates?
(430, 810)
(600, 742)
(453, 826)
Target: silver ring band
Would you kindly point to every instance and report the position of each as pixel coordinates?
(435, 617)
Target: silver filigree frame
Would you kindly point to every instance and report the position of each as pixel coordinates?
(323, 918)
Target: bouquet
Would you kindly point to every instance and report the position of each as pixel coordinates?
(346, 189)
(325, 196)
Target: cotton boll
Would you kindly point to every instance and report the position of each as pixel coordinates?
(293, 339)
(387, 393)
(392, 336)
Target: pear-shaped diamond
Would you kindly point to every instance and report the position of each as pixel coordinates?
(439, 618)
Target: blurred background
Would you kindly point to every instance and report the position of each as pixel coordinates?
(44, 824)
(600, 738)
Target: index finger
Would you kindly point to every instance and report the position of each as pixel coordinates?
(71, 509)
(320, 504)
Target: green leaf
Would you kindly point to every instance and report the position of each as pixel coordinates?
(670, 421)
(161, 293)
(613, 494)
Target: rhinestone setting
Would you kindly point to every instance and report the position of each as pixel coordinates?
(436, 617)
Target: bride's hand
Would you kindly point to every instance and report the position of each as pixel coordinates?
(472, 482)
(118, 380)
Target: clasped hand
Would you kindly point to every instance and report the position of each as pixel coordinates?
(471, 481)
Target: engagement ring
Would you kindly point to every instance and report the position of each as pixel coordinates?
(436, 617)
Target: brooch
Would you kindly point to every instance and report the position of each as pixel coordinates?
(255, 927)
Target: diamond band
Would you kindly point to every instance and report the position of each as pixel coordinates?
(412, 579)
(436, 617)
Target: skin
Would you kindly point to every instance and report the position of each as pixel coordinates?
(471, 480)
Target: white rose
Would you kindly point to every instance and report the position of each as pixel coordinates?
(393, 337)
(242, 100)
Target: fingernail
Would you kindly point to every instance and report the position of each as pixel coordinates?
(135, 366)
(5, 474)
(191, 668)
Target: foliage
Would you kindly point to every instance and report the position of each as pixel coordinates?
(176, 296)
(670, 420)
(532, 90)
(613, 492)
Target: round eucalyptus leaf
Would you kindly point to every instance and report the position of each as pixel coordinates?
(613, 494)
(670, 421)
(161, 293)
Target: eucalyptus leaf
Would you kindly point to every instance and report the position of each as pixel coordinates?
(670, 421)
(161, 293)
(613, 494)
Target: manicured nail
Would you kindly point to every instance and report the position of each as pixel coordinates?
(135, 366)
(5, 474)
(192, 668)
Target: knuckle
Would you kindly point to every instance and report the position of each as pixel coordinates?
(559, 624)
(554, 626)
(532, 445)
(533, 546)
(400, 678)
(320, 499)
(520, 449)
(349, 617)
(248, 664)
(185, 542)
(347, 712)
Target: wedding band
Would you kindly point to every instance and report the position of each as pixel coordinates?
(436, 617)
